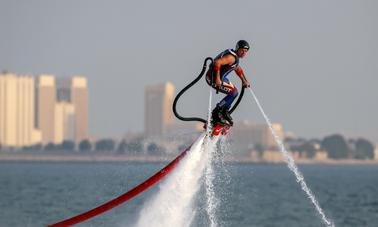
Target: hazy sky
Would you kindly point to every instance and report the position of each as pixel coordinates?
(313, 64)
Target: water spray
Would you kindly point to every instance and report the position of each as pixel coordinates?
(293, 167)
(173, 204)
(210, 147)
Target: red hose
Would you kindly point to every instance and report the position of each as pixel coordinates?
(122, 198)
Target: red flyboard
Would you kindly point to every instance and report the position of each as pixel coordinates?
(221, 130)
(122, 198)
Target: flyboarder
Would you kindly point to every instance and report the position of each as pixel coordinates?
(216, 77)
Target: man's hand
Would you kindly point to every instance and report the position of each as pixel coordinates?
(246, 84)
(218, 83)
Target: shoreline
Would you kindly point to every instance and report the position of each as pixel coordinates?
(106, 157)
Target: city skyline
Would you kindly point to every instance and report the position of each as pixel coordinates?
(38, 110)
(160, 96)
(317, 74)
(45, 111)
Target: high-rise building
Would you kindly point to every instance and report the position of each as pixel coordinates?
(64, 122)
(73, 91)
(246, 135)
(79, 100)
(158, 109)
(45, 107)
(17, 111)
(270, 140)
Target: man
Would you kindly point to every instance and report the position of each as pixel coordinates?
(216, 77)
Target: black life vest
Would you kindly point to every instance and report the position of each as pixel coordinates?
(226, 69)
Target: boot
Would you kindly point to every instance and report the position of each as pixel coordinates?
(217, 117)
(227, 116)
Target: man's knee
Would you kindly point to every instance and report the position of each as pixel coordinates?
(235, 93)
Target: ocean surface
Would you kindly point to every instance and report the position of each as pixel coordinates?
(37, 194)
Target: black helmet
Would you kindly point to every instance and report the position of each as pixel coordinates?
(242, 44)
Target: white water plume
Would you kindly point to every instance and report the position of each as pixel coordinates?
(210, 148)
(211, 199)
(216, 172)
(292, 166)
(173, 204)
(208, 123)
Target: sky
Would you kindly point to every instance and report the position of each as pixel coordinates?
(313, 63)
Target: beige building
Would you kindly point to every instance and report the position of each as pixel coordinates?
(376, 153)
(278, 157)
(72, 104)
(272, 156)
(158, 109)
(79, 100)
(245, 135)
(17, 122)
(64, 122)
(45, 107)
(321, 155)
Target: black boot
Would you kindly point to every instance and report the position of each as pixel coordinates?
(217, 117)
(227, 116)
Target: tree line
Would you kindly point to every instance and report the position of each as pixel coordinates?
(337, 147)
(103, 145)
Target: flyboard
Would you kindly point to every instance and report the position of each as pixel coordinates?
(216, 131)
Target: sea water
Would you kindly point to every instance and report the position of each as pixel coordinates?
(36, 194)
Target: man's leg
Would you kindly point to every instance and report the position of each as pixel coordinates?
(232, 93)
(216, 115)
(220, 113)
(226, 102)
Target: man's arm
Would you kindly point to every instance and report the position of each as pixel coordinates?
(225, 60)
(240, 73)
